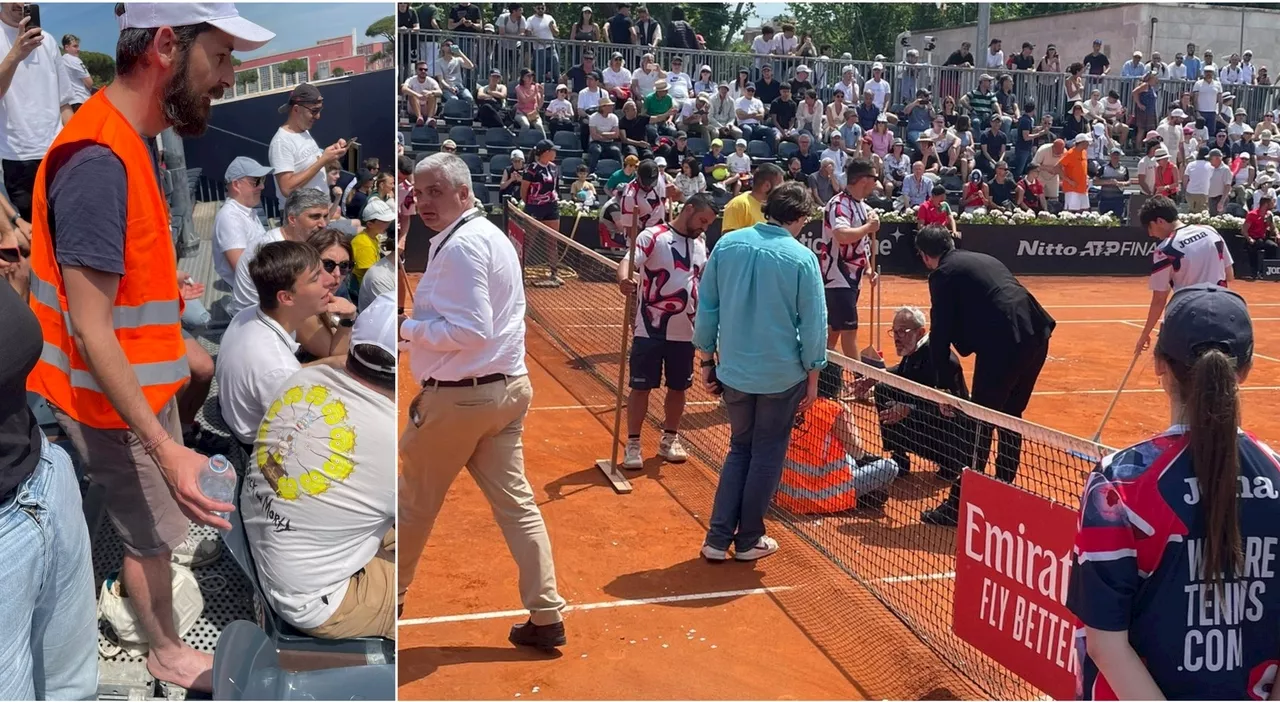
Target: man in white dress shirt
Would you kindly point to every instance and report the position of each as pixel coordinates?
(237, 225)
(465, 339)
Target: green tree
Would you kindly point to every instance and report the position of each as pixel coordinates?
(385, 28)
(338, 72)
(375, 57)
(294, 66)
(245, 78)
(100, 66)
(717, 22)
(235, 61)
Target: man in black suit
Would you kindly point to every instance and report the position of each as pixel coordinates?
(912, 424)
(981, 309)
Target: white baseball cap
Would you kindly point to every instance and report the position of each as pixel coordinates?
(222, 15)
(376, 326)
(378, 210)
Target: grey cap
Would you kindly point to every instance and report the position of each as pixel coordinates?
(1215, 152)
(245, 167)
(1204, 316)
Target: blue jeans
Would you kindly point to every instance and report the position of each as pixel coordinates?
(760, 427)
(1210, 122)
(48, 613)
(876, 475)
(546, 61)
(1021, 159)
(462, 94)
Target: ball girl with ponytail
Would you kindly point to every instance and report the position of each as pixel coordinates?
(1175, 578)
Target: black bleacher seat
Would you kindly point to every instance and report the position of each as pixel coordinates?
(474, 163)
(480, 190)
(465, 137)
(500, 139)
(528, 138)
(458, 112)
(497, 164)
(698, 146)
(759, 150)
(567, 142)
(424, 136)
(569, 169)
(606, 167)
(786, 150)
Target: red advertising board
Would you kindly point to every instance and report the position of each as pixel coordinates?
(1013, 561)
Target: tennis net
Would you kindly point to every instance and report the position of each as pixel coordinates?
(907, 565)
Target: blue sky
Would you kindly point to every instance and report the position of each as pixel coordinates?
(296, 24)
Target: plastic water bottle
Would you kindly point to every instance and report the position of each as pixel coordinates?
(218, 482)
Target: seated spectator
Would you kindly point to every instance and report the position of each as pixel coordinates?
(739, 86)
(679, 83)
(1260, 234)
(966, 144)
(325, 464)
(1002, 191)
(801, 85)
(868, 112)
(645, 78)
(848, 85)
(910, 424)
(722, 120)
(1095, 107)
(826, 469)
(936, 212)
(690, 181)
(634, 129)
(259, 346)
(896, 166)
(881, 137)
(919, 116)
(354, 202)
(929, 157)
(305, 211)
(975, 193)
(1031, 191)
(237, 223)
(561, 114)
(449, 69)
(1116, 116)
(824, 184)
(810, 115)
(715, 160)
(992, 145)
(512, 176)
(836, 108)
(381, 278)
(795, 172)
(949, 112)
(327, 334)
(576, 76)
(768, 89)
(529, 98)
(809, 159)
(617, 79)
(917, 187)
(623, 175)
(606, 134)
(750, 113)
(491, 103)
(705, 84)
(981, 101)
(851, 133)
(879, 87)
(661, 110)
(582, 189)
(837, 154)
(365, 246)
(422, 95)
(695, 117)
(739, 164)
(782, 116)
(673, 151)
(1007, 101)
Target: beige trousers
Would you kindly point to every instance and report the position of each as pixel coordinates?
(479, 428)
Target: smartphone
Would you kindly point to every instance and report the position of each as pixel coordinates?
(32, 11)
(10, 256)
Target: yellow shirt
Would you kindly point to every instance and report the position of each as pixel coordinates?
(742, 211)
(364, 247)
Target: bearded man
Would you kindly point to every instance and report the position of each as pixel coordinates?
(103, 263)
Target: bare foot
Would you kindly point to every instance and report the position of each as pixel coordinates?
(183, 666)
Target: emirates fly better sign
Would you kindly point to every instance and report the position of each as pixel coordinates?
(1013, 562)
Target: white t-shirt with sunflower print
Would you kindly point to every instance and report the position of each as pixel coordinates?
(319, 491)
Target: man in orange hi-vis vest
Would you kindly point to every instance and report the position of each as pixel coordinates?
(826, 469)
(107, 293)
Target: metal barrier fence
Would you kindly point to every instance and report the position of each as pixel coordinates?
(510, 54)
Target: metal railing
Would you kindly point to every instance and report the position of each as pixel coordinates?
(510, 54)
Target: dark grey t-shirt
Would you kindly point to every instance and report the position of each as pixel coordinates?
(88, 202)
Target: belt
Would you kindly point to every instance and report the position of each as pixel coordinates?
(467, 383)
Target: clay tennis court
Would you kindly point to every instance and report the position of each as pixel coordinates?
(649, 619)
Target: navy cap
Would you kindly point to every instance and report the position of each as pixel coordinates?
(1203, 316)
(749, 86)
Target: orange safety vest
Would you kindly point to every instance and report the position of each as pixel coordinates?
(816, 476)
(148, 306)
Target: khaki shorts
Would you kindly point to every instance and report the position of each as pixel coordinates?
(135, 494)
(369, 607)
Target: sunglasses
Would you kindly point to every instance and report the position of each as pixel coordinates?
(254, 182)
(329, 265)
(898, 333)
(450, 149)
(315, 111)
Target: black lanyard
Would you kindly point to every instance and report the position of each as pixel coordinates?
(448, 235)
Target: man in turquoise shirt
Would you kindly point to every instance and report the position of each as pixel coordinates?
(761, 335)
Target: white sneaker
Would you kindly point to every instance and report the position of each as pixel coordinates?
(714, 555)
(632, 459)
(764, 547)
(197, 550)
(671, 450)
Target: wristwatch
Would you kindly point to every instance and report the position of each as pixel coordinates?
(708, 363)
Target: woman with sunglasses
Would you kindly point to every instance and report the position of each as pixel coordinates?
(1173, 570)
(330, 332)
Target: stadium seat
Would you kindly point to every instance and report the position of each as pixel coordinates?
(465, 137)
(458, 112)
(424, 136)
(497, 164)
(606, 167)
(569, 169)
(759, 150)
(499, 139)
(474, 163)
(481, 191)
(527, 139)
(698, 146)
(568, 142)
(786, 150)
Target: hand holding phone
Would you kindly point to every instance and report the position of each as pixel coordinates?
(32, 12)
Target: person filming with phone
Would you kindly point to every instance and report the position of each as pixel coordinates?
(298, 160)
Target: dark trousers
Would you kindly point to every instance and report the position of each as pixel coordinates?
(1003, 383)
(926, 432)
(19, 183)
(1259, 250)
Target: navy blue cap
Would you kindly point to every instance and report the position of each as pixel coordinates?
(1200, 317)
(749, 86)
